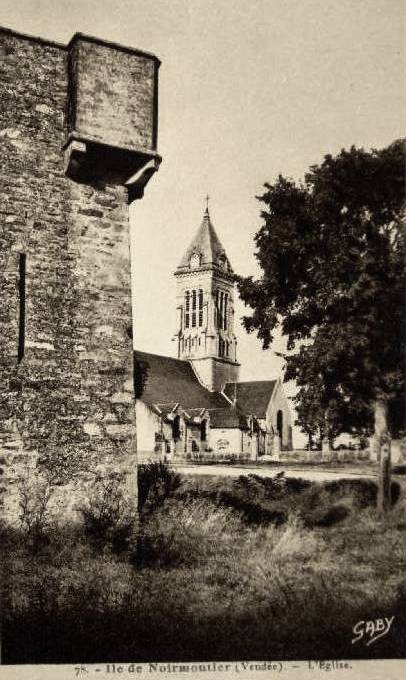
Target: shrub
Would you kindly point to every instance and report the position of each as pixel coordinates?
(35, 492)
(108, 517)
(156, 483)
(265, 500)
(335, 514)
(363, 491)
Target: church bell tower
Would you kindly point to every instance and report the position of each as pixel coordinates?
(205, 302)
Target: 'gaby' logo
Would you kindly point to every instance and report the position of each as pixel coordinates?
(372, 630)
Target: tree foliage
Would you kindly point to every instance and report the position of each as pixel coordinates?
(332, 254)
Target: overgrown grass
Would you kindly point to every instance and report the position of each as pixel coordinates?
(262, 500)
(244, 568)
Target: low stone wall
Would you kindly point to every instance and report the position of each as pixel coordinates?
(150, 457)
(216, 457)
(319, 456)
(398, 450)
(398, 454)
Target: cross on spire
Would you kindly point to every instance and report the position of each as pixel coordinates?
(207, 204)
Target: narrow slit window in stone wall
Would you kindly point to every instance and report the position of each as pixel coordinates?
(21, 298)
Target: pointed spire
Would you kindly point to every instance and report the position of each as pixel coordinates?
(207, 246)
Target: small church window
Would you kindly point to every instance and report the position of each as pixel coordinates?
(195, 260)
(227, 348)
(187, 309)
(222, 261)
(225, 311)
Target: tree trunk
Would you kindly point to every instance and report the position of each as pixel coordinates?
(325, 439)
(384, 458)
(325, 446)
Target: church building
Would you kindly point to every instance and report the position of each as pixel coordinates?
(194, 406)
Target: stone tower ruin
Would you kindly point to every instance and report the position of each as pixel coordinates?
(78, 129)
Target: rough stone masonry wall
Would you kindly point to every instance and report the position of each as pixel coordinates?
(67, 406)
(105, 114)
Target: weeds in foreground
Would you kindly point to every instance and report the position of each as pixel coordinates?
(213, 584)
(109, 520)
(35, 516)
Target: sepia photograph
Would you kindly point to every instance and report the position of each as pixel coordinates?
(202, 339)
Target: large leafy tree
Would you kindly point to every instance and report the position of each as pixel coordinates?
(332, 254)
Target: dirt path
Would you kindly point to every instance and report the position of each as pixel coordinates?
(235, 471)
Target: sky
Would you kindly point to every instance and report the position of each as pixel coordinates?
(248, 89)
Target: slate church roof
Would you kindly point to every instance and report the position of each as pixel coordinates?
(207, 244)
(228, 417)
(252, 397)
(168, 382)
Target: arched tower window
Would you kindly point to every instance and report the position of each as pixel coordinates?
(225, 311)
(187, 309)
(200, 307)
(221, 309)
(193, 309)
